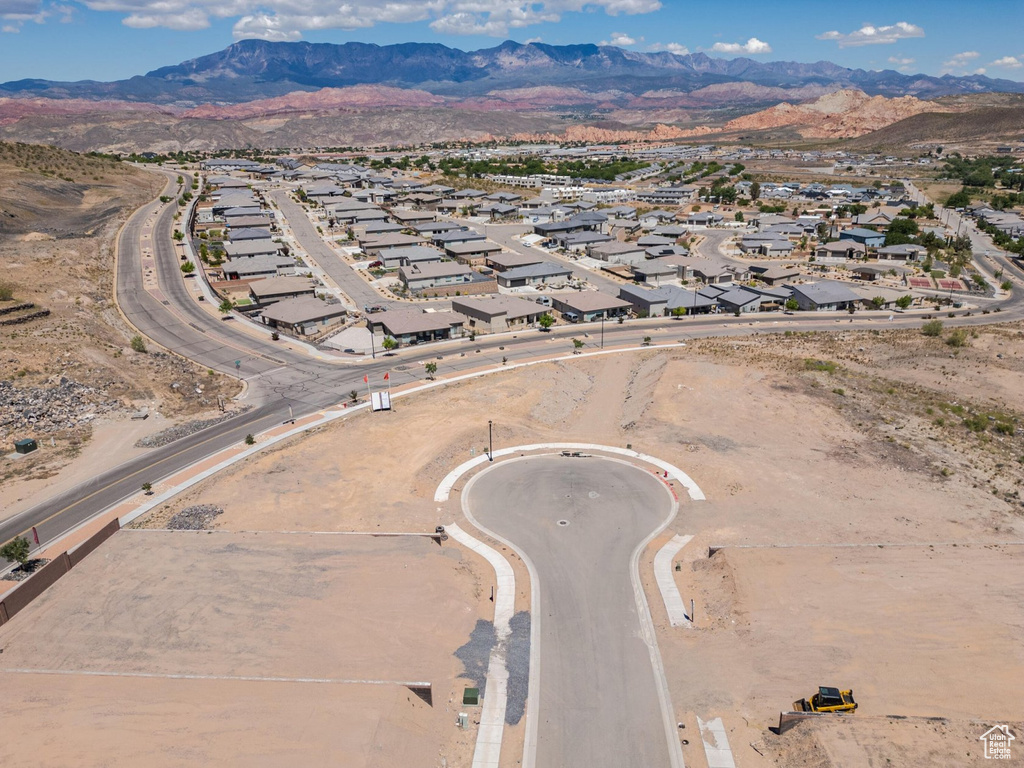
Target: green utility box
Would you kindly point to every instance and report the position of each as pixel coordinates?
(25, 446)
(471, 697)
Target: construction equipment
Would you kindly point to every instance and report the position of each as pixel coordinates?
(827, 700)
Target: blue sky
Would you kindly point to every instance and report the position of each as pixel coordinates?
(113, 39)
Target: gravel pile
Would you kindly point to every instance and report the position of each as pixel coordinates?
(517, 661)
(44, 410)
(475, 656)
(476, 653)
(195, 518)
(169, 435)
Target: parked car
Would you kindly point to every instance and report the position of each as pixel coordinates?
(371, 308)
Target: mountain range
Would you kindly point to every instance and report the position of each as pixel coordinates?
(255, 69)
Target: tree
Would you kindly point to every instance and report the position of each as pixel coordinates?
(16, 549)
(901, 231)
(577, 345)
(250, 440)
(188, 268)
(678, 311)
(138, 344)
(959, 199)
(226, 306)
(739, 216)
(932, 328)
(545, 321)
(792, 305)
(904, 301)
(878, 302)
(389, 344)
(431, 369)
(147, 488)
(755, 191)
(178, 236)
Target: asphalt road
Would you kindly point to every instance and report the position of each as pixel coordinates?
(598, 702)
(279, 378)
(351, 284)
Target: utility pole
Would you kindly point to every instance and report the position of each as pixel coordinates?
(602, 330)
(490, 440)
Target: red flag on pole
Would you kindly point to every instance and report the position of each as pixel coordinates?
(387, 376)
(366, 380)
(35, 535)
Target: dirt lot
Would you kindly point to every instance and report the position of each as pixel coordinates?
(167, 604)
(59, 215)
(808, 442)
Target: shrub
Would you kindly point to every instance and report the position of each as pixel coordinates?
(6, 290)
(826, 366)
(1005, 285)
(958, 338)
(250, 440)
(138, 344)
(932, 328)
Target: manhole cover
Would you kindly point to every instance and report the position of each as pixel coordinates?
(401, 367)
(563, 523)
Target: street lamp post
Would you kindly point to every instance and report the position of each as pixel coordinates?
(602, 330)
(490, 440)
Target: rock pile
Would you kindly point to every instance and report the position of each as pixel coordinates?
(195, 518)
(45, 410)
(178, 431)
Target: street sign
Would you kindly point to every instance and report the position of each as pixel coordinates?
(238, 364)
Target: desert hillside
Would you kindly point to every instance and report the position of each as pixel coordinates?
(842, 114)
(67, 364)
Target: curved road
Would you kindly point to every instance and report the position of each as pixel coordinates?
(279, 378)
(579, 521)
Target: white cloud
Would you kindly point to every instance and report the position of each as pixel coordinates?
(958, 60)
(621, 39)
(677, 48)
(10, 29)
(752, 46)
(901, 63)
(1008, 62)
(872, 35)
(288, 19)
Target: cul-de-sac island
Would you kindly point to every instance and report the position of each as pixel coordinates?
(548, 404)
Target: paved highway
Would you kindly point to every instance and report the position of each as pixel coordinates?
(278, 377)
(579, 521)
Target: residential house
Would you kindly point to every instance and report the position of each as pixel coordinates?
(587, 306)
(666, 300)
(543, 273)
(418, 277)
(825, 296)
(406, 256)
(908, 252)
(471, 251)
(303, 316)
(506, 260)
(274, 289)
(839, 252)
(255, 267)
(414, 326)
(615, 252)
(495, 314)
(740, 300)
(248, 248)
(866, 237)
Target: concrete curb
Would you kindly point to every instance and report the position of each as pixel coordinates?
(445, 488)
(492, 718)
(674, 606)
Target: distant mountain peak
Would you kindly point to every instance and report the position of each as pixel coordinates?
(250, 70)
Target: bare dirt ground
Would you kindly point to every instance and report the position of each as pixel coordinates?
(810, 442)
(165, 604)
(59, 215)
